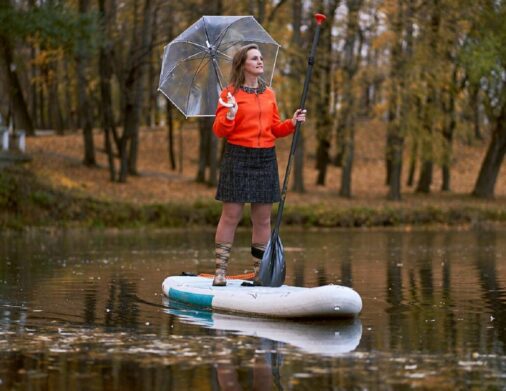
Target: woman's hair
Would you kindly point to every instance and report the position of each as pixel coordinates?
(237, 76)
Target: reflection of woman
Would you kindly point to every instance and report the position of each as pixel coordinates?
(249, 172)
(265, 373)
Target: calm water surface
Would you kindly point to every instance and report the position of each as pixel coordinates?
(83, 310)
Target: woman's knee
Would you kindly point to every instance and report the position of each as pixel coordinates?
(231, 214)
(261, 216)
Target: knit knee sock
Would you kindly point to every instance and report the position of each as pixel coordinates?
(222, 251)
(257, 251)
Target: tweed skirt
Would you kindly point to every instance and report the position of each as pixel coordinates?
(248, 175)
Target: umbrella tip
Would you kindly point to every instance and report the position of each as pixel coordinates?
(320, 18)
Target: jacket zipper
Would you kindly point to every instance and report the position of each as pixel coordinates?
(259, 119)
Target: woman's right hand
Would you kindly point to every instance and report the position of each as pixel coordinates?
(232, 111)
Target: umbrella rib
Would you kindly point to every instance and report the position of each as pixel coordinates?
(193, 79)
(204, 48)
(224, 32)
(179, 63)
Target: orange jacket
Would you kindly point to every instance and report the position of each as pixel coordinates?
(256, 124)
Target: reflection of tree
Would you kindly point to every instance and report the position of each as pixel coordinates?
(299, 270)
(122, 306)
(425, 272)
(345, 258)
(394, 288)
(487, 270)
(450, 325)
(90, 306)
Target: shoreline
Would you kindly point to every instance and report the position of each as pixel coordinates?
(26, 201)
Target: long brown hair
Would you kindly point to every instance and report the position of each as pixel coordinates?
(237, 76)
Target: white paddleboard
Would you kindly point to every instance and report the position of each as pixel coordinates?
(329, 301)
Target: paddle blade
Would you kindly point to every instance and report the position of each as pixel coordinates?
(273, 269)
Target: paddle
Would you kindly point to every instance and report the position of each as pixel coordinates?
(273, 268)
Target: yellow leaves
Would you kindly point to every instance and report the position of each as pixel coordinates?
(389, 7)
(385, 39)
(380, 109)
(45, 57)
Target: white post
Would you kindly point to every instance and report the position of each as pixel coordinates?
(21, 140)
(5, 139)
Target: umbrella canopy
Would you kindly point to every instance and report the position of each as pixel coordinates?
(196, 65)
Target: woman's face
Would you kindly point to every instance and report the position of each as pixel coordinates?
(254, 64)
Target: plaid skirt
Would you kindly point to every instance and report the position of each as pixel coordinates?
(248, 175)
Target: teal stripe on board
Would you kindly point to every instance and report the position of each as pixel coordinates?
(191, 298)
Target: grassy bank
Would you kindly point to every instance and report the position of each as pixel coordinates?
(28, 201)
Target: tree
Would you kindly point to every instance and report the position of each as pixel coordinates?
(323, 84)
(350, 65)
(296, 69)
(82, 60)
(18, 105)
(485, 61)
(130, 72)
(106, 72)
(399, 96)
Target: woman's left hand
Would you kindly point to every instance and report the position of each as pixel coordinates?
(299, 115)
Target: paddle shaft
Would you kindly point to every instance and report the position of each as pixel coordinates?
(295, 139)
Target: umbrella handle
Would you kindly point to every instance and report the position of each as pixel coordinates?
(226, 104)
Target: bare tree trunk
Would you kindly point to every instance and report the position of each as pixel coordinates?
(395, 141)
(203, 149)
(22, 117)
(323, 77)
(140, 50)
(432, 103)
(55, 107)
(412, 164)
(352, 50)
(425, 179)
(170, 136)
(474, 101)
(83, 98)
(70, 121)
(105, 71)
(207, 152)
(208, 142)
(489, 171)
(297, 66)
(399, 98)
(448, 130)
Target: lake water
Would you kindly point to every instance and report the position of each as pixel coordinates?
(83, 310)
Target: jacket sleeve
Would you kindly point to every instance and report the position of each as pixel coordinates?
(222, 126)
(280, 128)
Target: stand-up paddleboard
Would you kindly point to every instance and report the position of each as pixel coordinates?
(329, 338)
(329, 301)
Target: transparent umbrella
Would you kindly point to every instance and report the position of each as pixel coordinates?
(196, 64)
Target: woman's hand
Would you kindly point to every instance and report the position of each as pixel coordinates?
(299, 115)
(232, 111)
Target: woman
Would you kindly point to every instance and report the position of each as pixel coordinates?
(249, 172)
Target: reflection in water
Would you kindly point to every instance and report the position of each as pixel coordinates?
(394, 294)
(330, 338)
(81, 309)
(122, 306)
(264, 374)
(492, 292)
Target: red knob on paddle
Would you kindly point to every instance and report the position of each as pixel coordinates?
(320, 18)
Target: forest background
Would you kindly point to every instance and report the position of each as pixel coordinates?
(407, 112)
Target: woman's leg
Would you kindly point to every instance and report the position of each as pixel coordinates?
(261, 220)
(231, 214)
